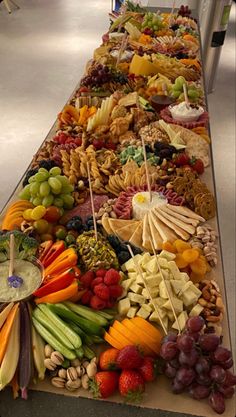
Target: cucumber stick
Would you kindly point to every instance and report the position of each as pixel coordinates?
(87, 313)
(73, 337)
(49, 338)
(43, 319)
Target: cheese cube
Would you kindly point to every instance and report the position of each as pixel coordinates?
(154, 317)
(130, 265)
(171, 316)
(142, 312)
(139, 278)
(153, 280)
(196, 310)
(189, 297)
(127, 283)
(167, 255)
(132, 312)
(124, 306)
(178, 305)
(136, 298)
(158, 301)
(153, 291)
(151, 266)
(136, 288)
(147, 307)
(132, 275)
(182, 318)
(162, 289)
(146, 257)
(166, 274)
(185, 287)
(174, 270)
(184, 276)
(176, 285)
(196, 290)
(163, 263)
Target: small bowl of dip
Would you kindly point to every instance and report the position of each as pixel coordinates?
(185, 113)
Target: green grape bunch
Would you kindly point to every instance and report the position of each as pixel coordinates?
(151, 23)
(194, 92)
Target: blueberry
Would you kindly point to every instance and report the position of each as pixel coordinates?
(123, 257)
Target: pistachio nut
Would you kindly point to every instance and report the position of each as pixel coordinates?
(85, 381)
(58, 382)
(57, 357)
(80, 370)
(73, 385)
(62, 373)
(91, 369)
(48, 351)
(49, 364)
(75, 362)
(71, 373)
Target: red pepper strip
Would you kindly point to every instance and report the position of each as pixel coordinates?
(59, 296)
(67, 259)
(56, 249)
(44, 248)
(56, 284)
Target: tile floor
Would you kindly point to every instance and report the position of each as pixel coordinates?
(43, 50)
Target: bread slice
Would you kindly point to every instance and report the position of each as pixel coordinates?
(168, 210)
(126, 232)
(185, 211)
(146, 234)
(136, 238)
(180, 232)
(117, 224)
(165, 232)
(156, 237)
(106, 225)
(182, 224)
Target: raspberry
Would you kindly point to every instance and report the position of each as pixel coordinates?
(110, 303)
(101, 273)
(102, 291)
(112, 277)
(97, 303)
(96, 281)
(115, 291)
(87, 278)
(86, 297)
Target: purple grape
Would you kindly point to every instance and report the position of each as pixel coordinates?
(189, 358)
(203, 379)
(230, 379)
(217, 374)
(202, 366)
(209, 342)
(168, 350)
(170, 337)
(228, 392)
(227, 364)
(175, 363)
(185, 376)
(177, 387)
(195, 324)
(198, 392)
(217, 402)
(194, 335)
(185, 343)
(170, 371)
(221, 354)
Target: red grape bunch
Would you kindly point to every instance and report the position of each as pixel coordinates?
(184, 11)
(197, 363)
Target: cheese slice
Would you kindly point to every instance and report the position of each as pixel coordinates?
(185, 211)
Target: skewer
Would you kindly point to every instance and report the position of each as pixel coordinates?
(92, 203)
(171, 13)
(166, 287)
(139, 271)
(122, 48)
(146, 169)
(164, 89)
(186, 96)
(11, 263)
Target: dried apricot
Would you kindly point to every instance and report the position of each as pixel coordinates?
(169, 247)
(180, 262)
(181, 245)
(196, 277)
(190, 255)
(199, 266)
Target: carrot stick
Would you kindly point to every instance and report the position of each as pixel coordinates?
(6, 330)
(58, 296)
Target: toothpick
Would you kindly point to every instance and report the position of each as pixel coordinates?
(186, 96)
(92, 203)
(171, 13)
(139, 271)
(11, 263)
(146, 169)
(166, 287)
(122, 48)
(164, 89)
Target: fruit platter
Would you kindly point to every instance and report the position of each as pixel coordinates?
(111, 279)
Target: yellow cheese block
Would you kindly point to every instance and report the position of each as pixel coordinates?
(141, 66)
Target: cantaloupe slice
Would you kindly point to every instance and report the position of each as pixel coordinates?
(113, 342)
(134, 337)
(148, 328)
(153, 345)
(142, 66)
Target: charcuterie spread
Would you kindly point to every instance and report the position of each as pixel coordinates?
(109, 252)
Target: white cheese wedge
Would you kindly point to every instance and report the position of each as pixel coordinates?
(141, 203)
(162, 289)
(196, 310)
(163, 263)
(136, 298)
(158, 301)
(136, 288)
(182, 318)
(185, 287)
(130, 265)
(132, 312)
(184, 276)
(154, 317)
(167, 255)
(178, 305)
(127, 283)
(196, 290)
(145, 259)
(147, 307)
(170, 316)
(124, 306)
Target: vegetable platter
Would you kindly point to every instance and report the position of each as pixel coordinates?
(113, 287)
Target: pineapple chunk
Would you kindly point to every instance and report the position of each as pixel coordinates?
(143, 313)
(153, 291)
(136, 288)
(178, 305)
(174, 270)
(151, 266)
(154, 280)
(182, 318)
(132, 312)
(127, 283)
(136, 298)
(189, 297)
(167, 255)
(124, 306)
(196, 310)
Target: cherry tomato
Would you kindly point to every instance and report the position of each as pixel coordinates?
(52, 214)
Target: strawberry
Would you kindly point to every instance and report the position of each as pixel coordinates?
(182, 159)
(97, 303)
(87, 278)
(129, 357)
(197, 165)
(148, 369)
(115, 291)
(102, 291)
(104, 384)
(107, 359)
(101, 273)
(131, 385)
(96, 281)
(112, 277)
(86, 297)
